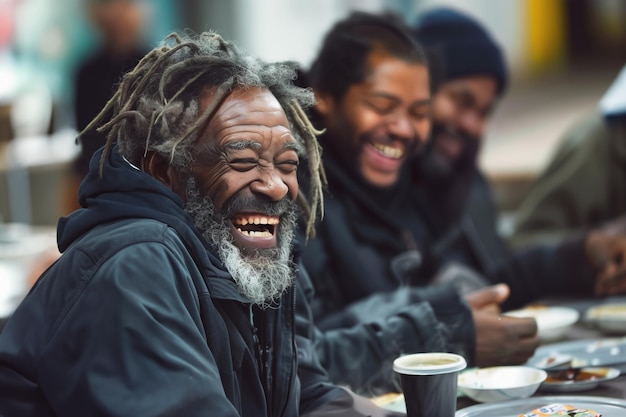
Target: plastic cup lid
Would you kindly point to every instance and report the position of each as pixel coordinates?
(429, 363)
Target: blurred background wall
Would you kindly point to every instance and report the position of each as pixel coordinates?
(563, 55)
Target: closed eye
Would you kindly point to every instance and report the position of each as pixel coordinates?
(381, 108)
(288, 166)
(243, 164)
(420, 114)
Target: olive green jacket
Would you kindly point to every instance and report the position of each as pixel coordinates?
(583, 186)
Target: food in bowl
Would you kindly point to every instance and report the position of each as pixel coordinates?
(610, 318)
(577, 379)
(500, 383)
(576, 374)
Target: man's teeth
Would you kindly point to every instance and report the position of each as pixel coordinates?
(242, 221)
(256, 226)
(255, 234)
(388, 151)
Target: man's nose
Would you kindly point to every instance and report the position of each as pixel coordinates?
(270, 184)
(473, 123)
(401, 126)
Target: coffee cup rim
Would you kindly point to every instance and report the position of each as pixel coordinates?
(399, 365)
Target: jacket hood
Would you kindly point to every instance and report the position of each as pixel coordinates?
(125, 192)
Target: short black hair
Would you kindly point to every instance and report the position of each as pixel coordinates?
(341, 61)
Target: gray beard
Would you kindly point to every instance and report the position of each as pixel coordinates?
(262, 277)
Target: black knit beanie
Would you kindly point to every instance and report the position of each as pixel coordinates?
(458, 46)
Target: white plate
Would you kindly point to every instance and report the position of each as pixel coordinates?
(553, 323)
(606, 352)
(556, 360)
(604, 374)
(608, 407)
(610, 318)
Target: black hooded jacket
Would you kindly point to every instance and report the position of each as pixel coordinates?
(139, 318)
(369, 266)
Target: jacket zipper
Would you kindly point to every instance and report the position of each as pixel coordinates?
(292, 318)
(264, 358)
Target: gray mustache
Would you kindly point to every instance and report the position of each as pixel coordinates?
(258, 204)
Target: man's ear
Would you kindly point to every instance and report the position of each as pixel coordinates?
(160, 168)
(324, 103)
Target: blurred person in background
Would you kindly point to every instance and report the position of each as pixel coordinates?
(584, 185)
(471, 78)
(119, 26)
(175, 291)
(377, 246)
(373, 97)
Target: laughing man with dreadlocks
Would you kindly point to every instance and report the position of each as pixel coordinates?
(174, 295)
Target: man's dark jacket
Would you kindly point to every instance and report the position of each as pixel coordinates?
(385, 326)
(364, 263)
(139, 318)
(539, 271)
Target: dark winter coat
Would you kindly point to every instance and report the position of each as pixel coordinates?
(366, 264)
(140, 318)
(538, 271)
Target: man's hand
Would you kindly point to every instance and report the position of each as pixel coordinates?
(606, 252)
(489, 298)
(500, 340)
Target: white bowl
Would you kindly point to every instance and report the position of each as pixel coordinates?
(553, 323)
(500, 383)
(610, 318)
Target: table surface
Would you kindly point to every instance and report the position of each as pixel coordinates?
(615, 388)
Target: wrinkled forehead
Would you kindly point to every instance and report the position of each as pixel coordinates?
(253, 110)
(242, 99)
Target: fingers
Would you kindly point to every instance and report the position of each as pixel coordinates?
(607, 253)
(520, 327)
(523, 333)
(603, 280)
(485, 297)
(611, 280)
(502, 340)
(501, 293)
(492, 309)
(525, 349)
(615, 227)
(596, 248)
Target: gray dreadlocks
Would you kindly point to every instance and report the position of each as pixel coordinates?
(156, 105)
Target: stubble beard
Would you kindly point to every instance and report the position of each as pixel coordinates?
(437, 168)
(262, 276)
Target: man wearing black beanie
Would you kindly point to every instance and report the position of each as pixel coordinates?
(462, 45)
(471, 76)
